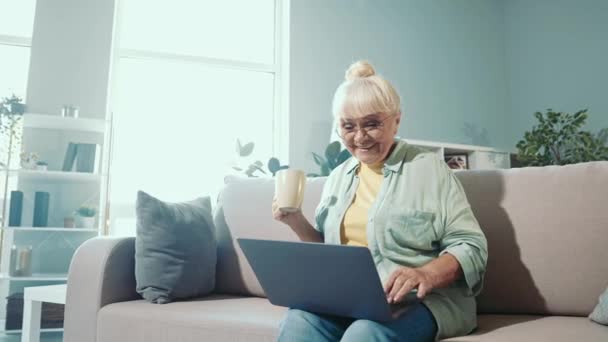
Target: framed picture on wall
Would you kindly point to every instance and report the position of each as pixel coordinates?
(457, 161)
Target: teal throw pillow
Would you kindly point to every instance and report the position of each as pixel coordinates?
(175, 249)
(600, 313)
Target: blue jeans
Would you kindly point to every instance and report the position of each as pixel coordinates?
(416, 324)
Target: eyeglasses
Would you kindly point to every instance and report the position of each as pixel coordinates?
(374, 128)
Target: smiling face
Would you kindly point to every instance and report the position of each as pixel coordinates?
(369, 138)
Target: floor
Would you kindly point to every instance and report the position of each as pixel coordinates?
(46, 337)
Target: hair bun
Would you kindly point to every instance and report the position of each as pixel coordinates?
(359, 69)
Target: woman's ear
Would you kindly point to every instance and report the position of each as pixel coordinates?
(397, 122)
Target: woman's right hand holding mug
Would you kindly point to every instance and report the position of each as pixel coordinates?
(290, 218)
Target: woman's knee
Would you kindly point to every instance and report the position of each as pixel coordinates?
(299, 318)
(297, 323)
(366, 330)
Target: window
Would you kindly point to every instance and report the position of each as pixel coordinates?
(191, 78)
(15, 39)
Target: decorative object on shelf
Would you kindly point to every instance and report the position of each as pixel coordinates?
(29, 160)
(85, 217)
(16, 209)
(559, 140)
(21, 261)
(70, 156)
(68, 222)
(334, 156)
(87, 157)
(252, 169)
(11, 121)
(41, 209)
(457, 161)
(69, 111)
(42, 166)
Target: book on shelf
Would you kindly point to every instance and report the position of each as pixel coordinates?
(16, 208)
(70, 156)
(82, 157)
(87, 158)
(41, 209)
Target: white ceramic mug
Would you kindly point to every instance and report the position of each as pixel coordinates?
(289, 189)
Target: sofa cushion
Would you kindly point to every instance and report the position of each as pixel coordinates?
(231, 318)
(522, 328)
(175, 249)
(547, 231)
(244, 209)
(213, 318)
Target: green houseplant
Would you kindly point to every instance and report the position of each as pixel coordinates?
(334, 155)
(85, 217)
(257, 167)
(11, 117)
(558, 139)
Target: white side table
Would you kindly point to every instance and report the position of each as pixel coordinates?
(32, 308)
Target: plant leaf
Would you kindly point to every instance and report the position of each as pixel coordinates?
(332, 150)
(247, 149)
(325, 170)
(239, 147)
(273, 165)
(343, 156)
(318, 159)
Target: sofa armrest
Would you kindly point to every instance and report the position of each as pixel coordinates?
(102, 272)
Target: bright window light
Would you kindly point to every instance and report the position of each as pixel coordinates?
(230, 29)
(177, 118)
(17, 17)
(14, 68)
(176, 132)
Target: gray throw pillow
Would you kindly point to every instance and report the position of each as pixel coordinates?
(175, 249)
(600, 313)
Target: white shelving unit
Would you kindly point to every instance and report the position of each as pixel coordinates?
(50, 229)
(32, 120)
(479, 157)
(56, 175)
(37, 277)
(52, 246)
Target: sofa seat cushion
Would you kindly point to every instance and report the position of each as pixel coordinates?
(523, 328)
(212, 318)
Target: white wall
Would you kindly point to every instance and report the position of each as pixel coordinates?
(446, 59)
(70, 56)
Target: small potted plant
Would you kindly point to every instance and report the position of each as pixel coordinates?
(85, 217)
(29, 160)
(42, 166)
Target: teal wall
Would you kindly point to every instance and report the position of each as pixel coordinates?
(469, 71)
(445, 57)
(557, 54)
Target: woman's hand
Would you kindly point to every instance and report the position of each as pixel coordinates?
(405, 279)
(291, 219)
(297, 222)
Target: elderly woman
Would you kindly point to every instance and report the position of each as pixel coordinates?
(409, 209)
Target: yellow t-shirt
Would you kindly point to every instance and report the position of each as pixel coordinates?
(353, 230)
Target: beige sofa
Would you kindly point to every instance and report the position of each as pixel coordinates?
(547, 231)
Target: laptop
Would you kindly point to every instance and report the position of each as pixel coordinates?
(321, 278)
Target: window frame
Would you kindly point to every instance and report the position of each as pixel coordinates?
(15, 41)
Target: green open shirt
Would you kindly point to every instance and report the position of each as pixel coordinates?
(420, 213)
